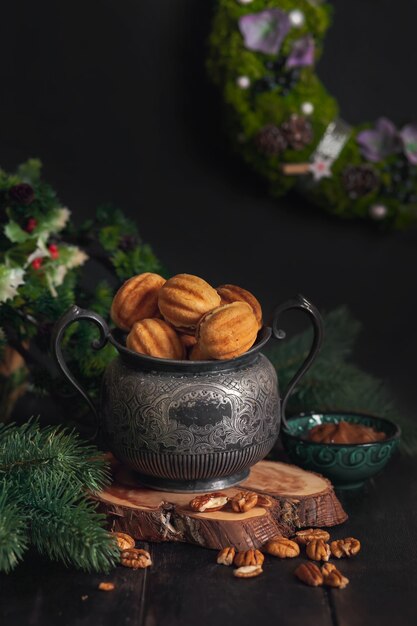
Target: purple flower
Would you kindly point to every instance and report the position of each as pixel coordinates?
(265, 31)
(302, 53)
(380, 142)
(409, 138)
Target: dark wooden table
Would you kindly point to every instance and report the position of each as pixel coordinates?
(185, 586)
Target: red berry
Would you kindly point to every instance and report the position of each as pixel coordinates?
(36, 263)
(53, 250)
(31, 225)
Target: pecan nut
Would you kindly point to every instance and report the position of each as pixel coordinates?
(265, 501)
(248, 571)
(326, 568)
(226, 556)
(244, 501)
(208, 502)
(135, 558)
(282, 548)
(309, 573)
(318, 550)
(345, 547)
(335, 579)
(124, 541)
(303, 537)
(106, 586)
(249, 557)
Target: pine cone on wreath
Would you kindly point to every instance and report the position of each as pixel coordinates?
(270, 140)
(298, 132)
(359, 180)
(22, 194)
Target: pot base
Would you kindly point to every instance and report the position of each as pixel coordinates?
(191, 486)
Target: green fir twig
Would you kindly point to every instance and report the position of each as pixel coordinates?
(45, 476)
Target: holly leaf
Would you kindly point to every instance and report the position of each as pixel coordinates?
(15, 233)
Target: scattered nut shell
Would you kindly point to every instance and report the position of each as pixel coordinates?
(318, 550)
(282, 548)
(326, 568)
(309, 573)
(345, 547)
(249, 557)
(208, 502)
(244, 501)
(303, 537)
(135, 558)
(106, 586)
(124, 541)
(248, 571)
(335, 579)
(226, 556)
(265, 501)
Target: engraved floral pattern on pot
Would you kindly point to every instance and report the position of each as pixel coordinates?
(191, 414)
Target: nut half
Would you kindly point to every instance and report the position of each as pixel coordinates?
(226, 556)
(249, 557)
(248, 571)
(282, 548)
(208, 502)
(309, 573)
(244, 501)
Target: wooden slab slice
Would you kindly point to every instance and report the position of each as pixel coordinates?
(305, 499)
(152, 515)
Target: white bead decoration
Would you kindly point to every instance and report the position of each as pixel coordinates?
(378, 211)
(307, 108)
(297, 18)
(243, 82)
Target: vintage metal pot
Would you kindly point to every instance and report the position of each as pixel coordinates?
(184, 425)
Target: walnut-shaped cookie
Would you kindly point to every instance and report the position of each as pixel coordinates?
(197, 354)
(188, 341)
(227, 331)
(184, 299)
(137, 299)
(155, 337)
(233, 293)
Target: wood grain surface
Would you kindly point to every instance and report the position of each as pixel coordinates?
(186, 587)
(295, 499)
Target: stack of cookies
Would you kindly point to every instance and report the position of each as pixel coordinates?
(186, 318)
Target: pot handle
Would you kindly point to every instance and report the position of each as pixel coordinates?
(299, 302)
(75, 314)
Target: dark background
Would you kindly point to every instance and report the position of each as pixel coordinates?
(113, 97)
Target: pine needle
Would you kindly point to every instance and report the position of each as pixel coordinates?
(66, 527)
(45, 474)
(28, 450)
(14, 538)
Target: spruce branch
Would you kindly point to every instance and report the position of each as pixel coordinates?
(14, 538)
(27, 450)
(66, 527)
(45, 476)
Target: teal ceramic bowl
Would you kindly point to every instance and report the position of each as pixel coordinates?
(348, 466)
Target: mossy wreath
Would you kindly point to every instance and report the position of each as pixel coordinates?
(286, 125)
